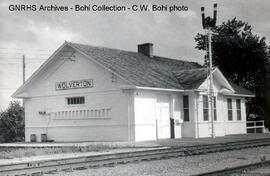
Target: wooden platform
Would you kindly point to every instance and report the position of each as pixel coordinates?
(200, 141)
(145, 144)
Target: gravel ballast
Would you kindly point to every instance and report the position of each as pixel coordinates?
(179, 166)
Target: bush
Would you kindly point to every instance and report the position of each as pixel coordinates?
(12, 123)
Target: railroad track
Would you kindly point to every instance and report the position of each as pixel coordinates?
(70, 163)
(244, 169)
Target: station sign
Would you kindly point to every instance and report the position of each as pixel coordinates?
(76, 84)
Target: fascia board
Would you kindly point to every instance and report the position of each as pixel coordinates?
(222, 76)
(43, 66)
(239, 95)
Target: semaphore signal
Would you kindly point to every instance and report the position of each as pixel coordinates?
(208, 24)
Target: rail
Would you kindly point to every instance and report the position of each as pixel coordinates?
(62, 164)
(255, 126)
(238, 170)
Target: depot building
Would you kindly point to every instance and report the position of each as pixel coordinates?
(86, 93)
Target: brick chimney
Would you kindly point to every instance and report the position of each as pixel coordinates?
(146, 49)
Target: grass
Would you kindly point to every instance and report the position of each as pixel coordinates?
(28, 152)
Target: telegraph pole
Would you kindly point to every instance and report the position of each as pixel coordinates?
(23, 68)
(23, 71)
(209, 23)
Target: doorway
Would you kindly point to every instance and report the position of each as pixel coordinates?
(163, 123)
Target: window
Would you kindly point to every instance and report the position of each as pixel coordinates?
(229, 106)
(186, 108)
(215, 108)
(238, 109)
(205, 108)
(75, 100)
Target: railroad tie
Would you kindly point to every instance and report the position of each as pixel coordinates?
(80, 168)
(68, 170)
(109, 164)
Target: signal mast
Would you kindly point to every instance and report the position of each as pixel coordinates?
(208, 24)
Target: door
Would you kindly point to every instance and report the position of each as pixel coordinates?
(172, 127)
(163, 117)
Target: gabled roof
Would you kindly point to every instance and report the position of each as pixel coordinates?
(191, 79)
(37, 72)
(138, 69)
(240, 90)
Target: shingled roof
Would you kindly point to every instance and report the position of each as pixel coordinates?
(155, 72)
(240, 90)
(137, 68)
(192, 78)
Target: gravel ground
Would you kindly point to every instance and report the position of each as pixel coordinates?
(178, 166)
(265, 171)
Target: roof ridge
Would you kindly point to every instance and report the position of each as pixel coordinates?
(134, 52)
(99, 47)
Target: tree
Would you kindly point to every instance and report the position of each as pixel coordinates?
(243, 58)
(12, 123)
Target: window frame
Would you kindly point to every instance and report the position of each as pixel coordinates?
(205, 108)
(229, 109)
(73, 101)
(186, 108)
(238, 109)
(215, 108)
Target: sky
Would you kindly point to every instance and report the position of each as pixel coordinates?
(37, 34)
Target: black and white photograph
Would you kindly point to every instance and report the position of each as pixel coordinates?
(134, 87)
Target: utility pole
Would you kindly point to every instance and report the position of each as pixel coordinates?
(208, 24)
(23, 71)
(23, 67)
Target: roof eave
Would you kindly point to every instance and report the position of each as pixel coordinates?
(159, 89)
(239, 95)
(23, 86)
(226, 81)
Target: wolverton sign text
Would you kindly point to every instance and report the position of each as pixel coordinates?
(77, 84)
